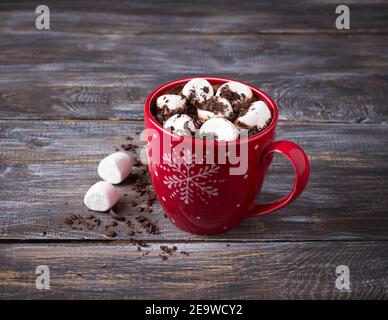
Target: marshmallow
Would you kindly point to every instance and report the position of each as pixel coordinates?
(101, 196)
(235, 92)
(258, 115)
(115, 167)
(215, 107)
(198, 90)
(180, 124)
(172, 102)
(219, 128)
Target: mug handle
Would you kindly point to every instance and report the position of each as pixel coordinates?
(301, 165)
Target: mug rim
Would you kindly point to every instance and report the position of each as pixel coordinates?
(261, 94)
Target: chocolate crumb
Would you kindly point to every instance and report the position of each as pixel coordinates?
(140, 243)
(149, 226)
(133, 203)
(168, 250)
(163, 257)
(110, 233)
(129, 147)
(116, 216)
(213, 105)
(68, 221)
(229, 95)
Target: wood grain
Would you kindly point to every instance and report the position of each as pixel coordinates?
(94, 65)
(43, 53)
(127, 17)
(100, 60)
(47, 166)
(211, 271)
(318, 97)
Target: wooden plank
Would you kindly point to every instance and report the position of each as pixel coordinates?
(46, 167)
(321, 97)
(211, 271)
(125, 17)
(49, 52)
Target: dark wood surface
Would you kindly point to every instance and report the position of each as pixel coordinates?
(70, 96)
(238, 270)
(53, 163)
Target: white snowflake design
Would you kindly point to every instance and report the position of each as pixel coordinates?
(187, 180)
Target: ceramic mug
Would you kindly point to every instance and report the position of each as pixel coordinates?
(205, 197)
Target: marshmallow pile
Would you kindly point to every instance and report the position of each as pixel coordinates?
(218, 114)
(113, 169)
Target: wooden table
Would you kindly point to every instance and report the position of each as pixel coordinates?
(70, 94)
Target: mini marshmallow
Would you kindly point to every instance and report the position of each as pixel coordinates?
(101, 196)
(180, 124)
(198, 90)
(238, 92)
(219, 128)
(215, 107)
(172, 102)
(258, 115)
(115, 167)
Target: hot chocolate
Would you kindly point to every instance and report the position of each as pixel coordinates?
(218, 112)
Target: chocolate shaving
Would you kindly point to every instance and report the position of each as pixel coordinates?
(77, 222)
(140, 243)
(168, 250)
(129, 146)
(116, 216)
(68, 221)
(110, 233)
(187, 128)
(213, 105)
(229, 95)
(163, 257)
(148, 225)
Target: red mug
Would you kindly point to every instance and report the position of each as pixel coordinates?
(205, 198)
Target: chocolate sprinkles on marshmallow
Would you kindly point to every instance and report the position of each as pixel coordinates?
(235, 92)
(214, 107)
(180, 124)
(219, 111)
(197, 90)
